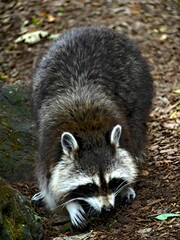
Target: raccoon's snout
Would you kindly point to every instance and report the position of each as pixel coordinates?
(78, 215)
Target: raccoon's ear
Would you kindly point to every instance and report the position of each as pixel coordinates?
(69, 143)
(115, 135)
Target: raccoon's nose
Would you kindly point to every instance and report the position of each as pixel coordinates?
(107, 208)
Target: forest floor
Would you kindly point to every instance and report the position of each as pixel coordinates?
(154, 27)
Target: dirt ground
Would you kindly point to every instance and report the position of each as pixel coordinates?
(154, 27)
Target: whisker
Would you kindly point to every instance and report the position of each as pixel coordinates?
(65, 203)
(119, 189)
(120, 185)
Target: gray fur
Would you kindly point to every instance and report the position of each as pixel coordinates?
(92, 93)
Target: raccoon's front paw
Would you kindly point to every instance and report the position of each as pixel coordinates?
(38, 200)
(128, 195)
(77, 215)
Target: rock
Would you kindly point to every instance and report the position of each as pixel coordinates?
(17, 218)
(17, 144)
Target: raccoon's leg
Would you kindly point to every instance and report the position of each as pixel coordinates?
(77, 215)
(128, 195)
(38, 199)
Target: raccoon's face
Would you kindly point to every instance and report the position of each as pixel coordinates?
(96, 181)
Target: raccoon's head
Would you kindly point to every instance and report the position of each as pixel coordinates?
(95, 176)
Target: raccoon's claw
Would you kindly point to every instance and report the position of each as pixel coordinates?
(38, 200)
(128, 195)
(77, 215)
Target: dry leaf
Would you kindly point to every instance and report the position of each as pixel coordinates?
(96, 4)
(42, 14)
(144, 230)
(163, 37)
(176, 91)
(170, 125)
(32, 37)
(173, 115)
(136, 10)
(145, 173)
(51, 18)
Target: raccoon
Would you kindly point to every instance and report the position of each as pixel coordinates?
(92, 94)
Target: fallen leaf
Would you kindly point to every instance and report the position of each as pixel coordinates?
(53, 36)
(174, 115)
(163, 29)
(96, 4)
(170, 125)
(51, 18)
(163, 37)
(62, 9)
(145, 230)
(164, 216)
(136, 10)
(3, 76)
(127, 228)
(36, 21)
(42, 14)
(145, 173)
(32, 37)
(176, 91)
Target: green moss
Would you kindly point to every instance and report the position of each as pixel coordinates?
(19, 222)
(15, 231)
(7, 191)
(9, 210)
(11, 227)
(5, 124)
(16, 146)
(11, 136)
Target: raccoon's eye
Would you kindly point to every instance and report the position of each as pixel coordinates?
(116, 183)
(85, 190)
(90, 188)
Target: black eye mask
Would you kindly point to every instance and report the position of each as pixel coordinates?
(116, 183)
(87, 190)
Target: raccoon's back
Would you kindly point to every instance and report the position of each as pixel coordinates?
(98, 59)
